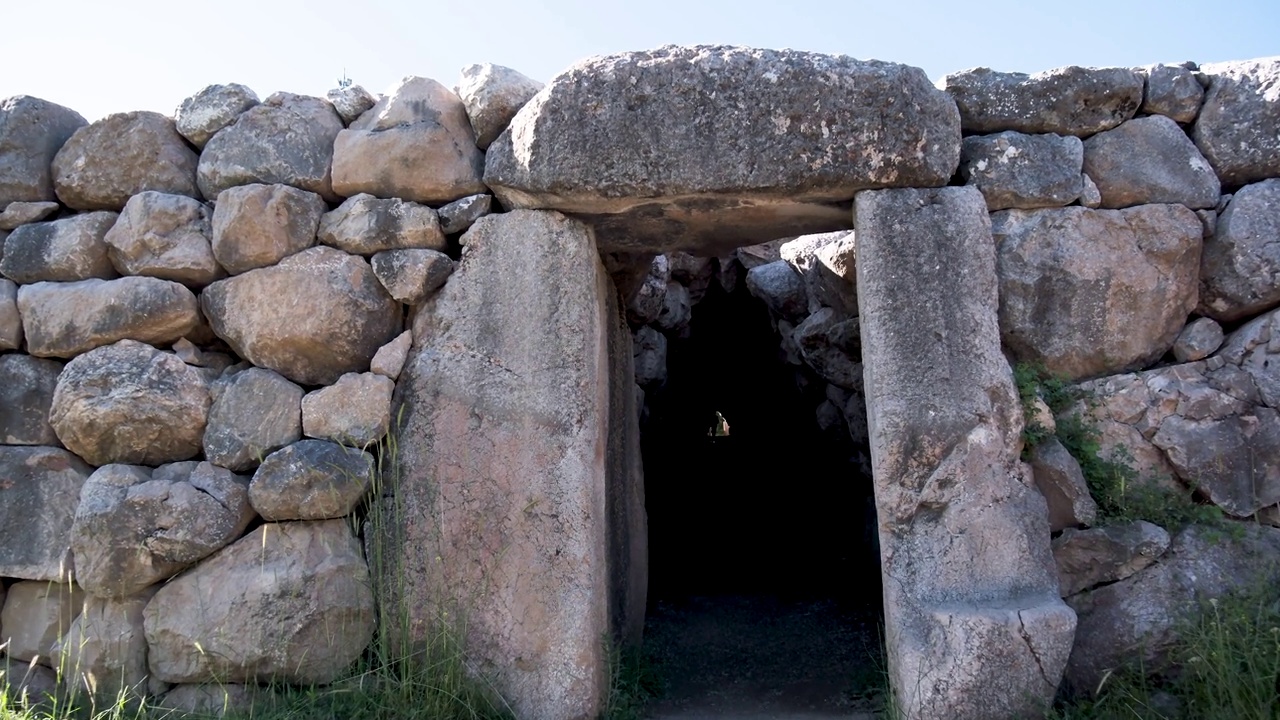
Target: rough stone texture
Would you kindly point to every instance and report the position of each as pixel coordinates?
(462, 213)
(493, 94)
(66, 319)
(1090, 196)
(506, 420)
(651, 295)
(11, 334)
(1198, 340)
(354, 411)
(202, 115)
(677, 309)
(694, 273)
(1089, 558)
(351, 102)
(136, 527)
(781, 289)
(21, 213)
(64, 250)
(415, 144)
(1016, 170)
(826, 261)
(364, 225)
(1135, 620)
(35, 616)
(1172, 91)
(974, 624)
(753, 256)
(390, 358)
(1149, 160)
(650, 359)
(1058, 476)
(306, 616)
(1067, 101)
(26, 392)
(259, 225)
(412, 276)
(288, 139)
(830, 344)
(316, 315)
(213, 700)
(164, 236)
(31, 686)
(130, 403)
(311, 480)
(105, 650)
(31, 133)
(1239, 125)
(103, 164)
(782, 136)
(38, 498)
(1090, 292)
(1240, 270)
(254, 413)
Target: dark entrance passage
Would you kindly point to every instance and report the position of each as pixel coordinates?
(764, 578)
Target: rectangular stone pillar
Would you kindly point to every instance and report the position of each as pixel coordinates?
(974, 625)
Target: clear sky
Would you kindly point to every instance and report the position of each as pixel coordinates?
(104, 56)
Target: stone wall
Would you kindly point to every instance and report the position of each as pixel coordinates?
(208, 322)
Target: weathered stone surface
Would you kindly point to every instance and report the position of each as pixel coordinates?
(830, 344)
(828, 274)
(390, 358)
(351, 102)
(254, 413)
(31, 686)
(307, 615)
(651, 296)
(1089, 558)
(1149, 160)
(1172, 91)
(1060, 480)
(21, 213)
(64, 250)
(311, 480)
(510, 408)
(462, 213)
(677, 309)
(121, 155)
(66, 319)
(39, 492)
(354, 411)
(130, 403)
(31, 133)
(136, 527)
(1067, 101)
(1239, 125)
(650, 357)
(753, 256)
(1198, 340)
(694, 273)
(1253, 349)
(1091, 292)
(105, 650)
(26, 391)
(781, 288)
(164, 236)
(412, 276)
(493, 94)
(214, 699)
(415, 144)
(1234, 460)
(1240, 270)
(1016, 170)
(11, 334)
(1090, 196)
(259, 225)
(202, 115)
(316, 315)
(1135, 620)
(364, 225)
(782, 137)
(288, 139)
(35, 616)
(975, 627)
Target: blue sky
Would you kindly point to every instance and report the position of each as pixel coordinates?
(103, 56)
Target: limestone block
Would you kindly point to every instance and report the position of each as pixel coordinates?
(1067, 101)
(1239, 125)
(351, 102)
(1016, 170)
(311, 480)
(31, 133)
(493, 94)
(259, 225)
(26, 393)
(64, 250)
(105, 163)
(66, 319)
(1149, 160)
(35, 616)
(164, 236)
(38, 500)
(202, 115)
(390, 358)
(1240, 272)
(364, 225)
(412, 276)
(354, 411)
(1089, 558)
(254, 413)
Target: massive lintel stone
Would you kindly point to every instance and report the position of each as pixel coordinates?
(1239, 125)
(31, 133)
(505, 425)
(1068, 100)
(39, 492)
(709, 147)
(975, 627)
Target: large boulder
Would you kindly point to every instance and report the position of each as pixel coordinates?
(1067, 101)
(202, 115)
(826, 262)
(1149, 160)
(493, 94)
(66, 250)
(1172, 91)
(1060, 480)
(1089, 558)
(780, 138)
(974, 623)
(130, 403)
(31, 133)
(102, 165)
(412, 276)
(781, 288)
(351, 101)
(415, 144)
(354, 411)
(26, 392)
(164, 236)
(1240, 270)
(136, 527)
(1016, 170)
(105, 650)
(287, 139)
(311, 480)
(35, 616)
(1091, 292)
(254, 413)
(364, 225)
(259, 225)
(66, 319)
(316, 315)
(39, 492)
(307, 615)
(1239, 125)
